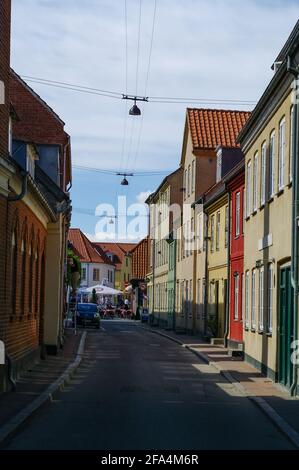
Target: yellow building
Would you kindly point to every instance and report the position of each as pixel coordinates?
(164, 205)
(268, 143)
(205, 130)
(216, 208)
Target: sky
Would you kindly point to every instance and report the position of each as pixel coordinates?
(212, 50)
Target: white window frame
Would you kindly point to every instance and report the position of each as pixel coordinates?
(253, 299)
(247, 292)
(218, 219)
(263, 173)
(254, 182)
(292, 147)
(248, 189)
(270, 279)
(236, 296)
(193, 176)
(238, 213)
(212, 233)
(261, 299)
(282, 153)
(272, 165)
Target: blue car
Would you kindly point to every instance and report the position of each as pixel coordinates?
(87, 315)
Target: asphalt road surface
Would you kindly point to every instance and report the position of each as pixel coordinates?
(137, 390)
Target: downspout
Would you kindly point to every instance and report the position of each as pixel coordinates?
(24, 189)
(226, 332)
(14, 198)
(295, 219)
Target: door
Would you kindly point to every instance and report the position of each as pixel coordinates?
(285, 366)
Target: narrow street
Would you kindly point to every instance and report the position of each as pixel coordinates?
(137, 390)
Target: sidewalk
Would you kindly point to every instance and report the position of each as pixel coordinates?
(36, 380)
(249, 381)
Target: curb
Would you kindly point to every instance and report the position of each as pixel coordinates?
(283, 426)
(14, 423)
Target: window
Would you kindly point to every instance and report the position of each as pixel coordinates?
(238, 208)
(217, 230)
(247, 299)
(236, 296)
(226, 227)
(37, 280)
(185, 184)
(127, 261)
(193, 176)
(14, 260)
(271, 164)
(261, 300)
(96, 274)
(83, 274)
(31, 262)
(212, 232)
(255, 176)
(243, 296)
(270, 298)
(292, 146)
(188, 181)
(219, 167)
(198, 292)
(282, 144)
(203, 296)
(248, 189)
(253, 300)
(23, 274)
(263, 173)
(190, 300)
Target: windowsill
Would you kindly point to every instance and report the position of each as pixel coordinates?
(290, 183)
(236, 238)
(253, 330)
(254, 212)
(262, 206)
(261, 332)
(247, 217)
(280, 192)
(269, 334)
(246, 328)
(271, 199)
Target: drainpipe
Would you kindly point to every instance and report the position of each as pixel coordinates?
(227, 316)
(10, 374)
(24, 189)
(295, 216)
(14, 198)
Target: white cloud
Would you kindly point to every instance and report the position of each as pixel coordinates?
(220, 49)
(142, 196)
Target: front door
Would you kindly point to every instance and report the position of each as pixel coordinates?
(285, 367)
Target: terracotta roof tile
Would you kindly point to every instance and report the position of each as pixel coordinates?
(87, 252)
(212, 127)
(119, 250)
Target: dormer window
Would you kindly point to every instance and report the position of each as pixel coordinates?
(31, 156)
(219, 166)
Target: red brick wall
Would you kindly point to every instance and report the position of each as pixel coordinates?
(5, 7)
(37, 122)
(21, 324)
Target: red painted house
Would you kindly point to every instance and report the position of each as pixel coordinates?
(235, 184)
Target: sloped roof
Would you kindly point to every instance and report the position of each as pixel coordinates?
(210, 128)
(86, 250)
(119, 250)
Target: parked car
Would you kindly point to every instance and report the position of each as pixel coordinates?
(88, 315)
